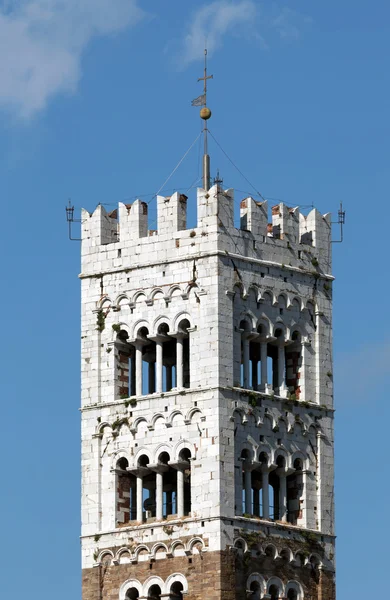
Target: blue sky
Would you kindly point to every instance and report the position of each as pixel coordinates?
(95, 105)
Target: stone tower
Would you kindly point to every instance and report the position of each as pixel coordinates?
(207, 402)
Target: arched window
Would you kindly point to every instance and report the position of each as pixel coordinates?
(245, 329)
(132, 594)
(154, 592)
(167, 490)
(184, 482)
(292, 595)
(255, 590)
(176, 591)
(294, 364)
(294, 493)
(274, 592)
(247, 499)
(147, 480)
(125, 493)
(124, 366)
(183, 355)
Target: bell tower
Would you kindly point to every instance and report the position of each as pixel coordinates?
(207, 401)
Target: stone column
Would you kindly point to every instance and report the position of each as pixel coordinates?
(138, 369)
(282, 494)
(248, 491)
(159, 366)
(180, 493)
(263, 362)
(179, 361)
(159, 495)
(139, 499)
(281, 368)
(132, 377)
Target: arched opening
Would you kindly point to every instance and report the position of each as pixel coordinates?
(294, 364)
(183, 354)
(148, 483)
(154, 592)
(247, 499)
(255, 590)
(292, 594)
(278, 484)
(132, 594)
(168, 487)
(126, 496)
(246, 365)
(166, 358)
(184, 479)
(294, 493)
(124, 365)
(274, 592)
(176, 591)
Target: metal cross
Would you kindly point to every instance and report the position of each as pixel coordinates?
(205, 77)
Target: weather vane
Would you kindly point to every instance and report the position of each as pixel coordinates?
(205, 114)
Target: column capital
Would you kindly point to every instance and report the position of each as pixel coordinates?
(138, 471)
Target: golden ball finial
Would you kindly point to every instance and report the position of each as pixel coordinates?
(205, 113)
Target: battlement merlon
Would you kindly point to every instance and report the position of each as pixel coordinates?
(121, 237)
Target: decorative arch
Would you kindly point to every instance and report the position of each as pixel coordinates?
(176, 577)
(278, 583)
(104, 302)
(271, 551)
(154, 293)
(294, 585)
(156, 548)
(139, 549)
(193, 542)
(241, 544)
(121, 553)
(192, 412)
(256, 577)
(155, 417)
(153, 580)
(181, 316)
(241, 289)
(121, 453)
(121, 300)
(256, 289)
(127, 585)
(138, 421)
(161, 320)
(174, 413)
(173, 289)
(137, 326)
(159, 449)
(137, 296)
(181, 445)
(103, 554)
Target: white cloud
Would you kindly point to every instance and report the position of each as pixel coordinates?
(211, 22)
(42, 41)
(289, 23)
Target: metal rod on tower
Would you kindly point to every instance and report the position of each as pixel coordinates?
(205, 114)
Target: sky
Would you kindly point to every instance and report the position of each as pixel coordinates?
(95, 106)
